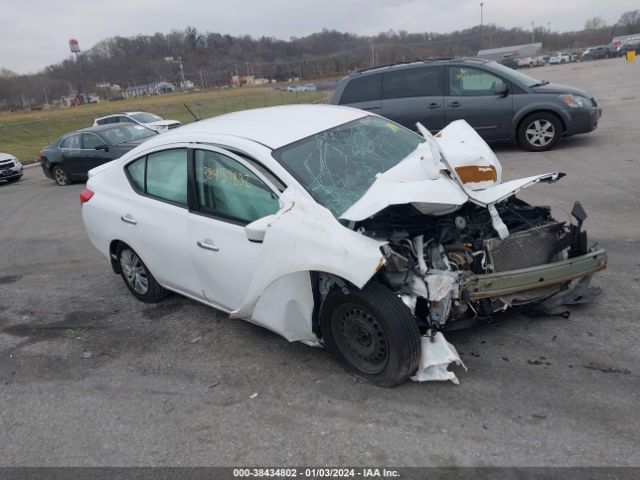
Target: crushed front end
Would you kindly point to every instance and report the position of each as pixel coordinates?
(454, 270)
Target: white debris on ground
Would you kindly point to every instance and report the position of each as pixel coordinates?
(435, 356)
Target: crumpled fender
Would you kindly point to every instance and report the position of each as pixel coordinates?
(304, 236)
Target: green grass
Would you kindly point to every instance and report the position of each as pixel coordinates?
(24, 134)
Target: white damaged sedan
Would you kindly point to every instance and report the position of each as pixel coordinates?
(332, 226)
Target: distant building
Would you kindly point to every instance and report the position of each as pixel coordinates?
(158, 88)
(527, 50)
(247, 81)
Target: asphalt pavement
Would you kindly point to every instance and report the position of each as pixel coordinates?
(90, 376)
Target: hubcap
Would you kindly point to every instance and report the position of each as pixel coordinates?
(360, 338)
(134, 271)
(540, 133)
(61, 176)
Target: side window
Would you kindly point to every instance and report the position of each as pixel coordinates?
(167, 175)
(363, 89)
(123, 119)
(72, 142)
(91, 141)
(471, 81)
(413, 82)
(136, 172)
(228, 189)
(102, 122)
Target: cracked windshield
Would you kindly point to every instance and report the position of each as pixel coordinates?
(339, 165)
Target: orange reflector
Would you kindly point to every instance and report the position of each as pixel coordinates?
(477, 173)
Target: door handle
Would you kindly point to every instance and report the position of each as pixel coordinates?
(455, 104)
(208, 246)
(434, 105)
(128, 219)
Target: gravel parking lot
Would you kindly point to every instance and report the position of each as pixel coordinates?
(91, 376)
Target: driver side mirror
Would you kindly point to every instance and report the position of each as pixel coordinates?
(501, 89)
(256, 230)
(104, 147)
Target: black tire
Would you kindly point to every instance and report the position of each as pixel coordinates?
(371, 333)
(137, 277)
(534, 129)
(60, 176)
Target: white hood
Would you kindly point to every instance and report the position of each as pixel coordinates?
(429, 178)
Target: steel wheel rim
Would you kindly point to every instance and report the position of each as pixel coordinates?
(360, 338)
(540, 133)
(134, 271)
(61, 176)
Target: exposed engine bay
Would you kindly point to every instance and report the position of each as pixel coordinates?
(429, 257)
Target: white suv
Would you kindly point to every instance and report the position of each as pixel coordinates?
(559, 57)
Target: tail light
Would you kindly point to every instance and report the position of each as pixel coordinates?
(40, 152)
(85, 196)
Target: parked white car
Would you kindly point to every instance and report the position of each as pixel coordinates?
(332, 226)
(558, 58)
(10, 168)
(149, 120)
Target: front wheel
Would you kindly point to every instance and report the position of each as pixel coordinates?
(539, 132)
(372, 333)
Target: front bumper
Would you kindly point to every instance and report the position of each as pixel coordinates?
(492, 285)
(583, 120)
(13, 172)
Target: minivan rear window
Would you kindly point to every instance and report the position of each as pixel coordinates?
(414, 82)
(363, 89)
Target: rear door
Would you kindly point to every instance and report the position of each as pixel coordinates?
(416, 94)
(364, 92)
(155, 222)
(71, 154)
(470, 96)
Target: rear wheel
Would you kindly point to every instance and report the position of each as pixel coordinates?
(60, 176)
(372, 333)
(539, 132)
(137, 277)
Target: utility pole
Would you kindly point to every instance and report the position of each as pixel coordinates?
(532, 32)
(481, 24)
(201, 80)
(184, 83)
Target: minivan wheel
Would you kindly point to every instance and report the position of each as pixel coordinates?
(539, 132)
(60, 176)
(137, 277)
(371, 333)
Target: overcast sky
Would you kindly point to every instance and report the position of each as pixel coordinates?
(34, 33)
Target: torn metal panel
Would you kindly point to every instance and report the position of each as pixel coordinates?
(304, 236)
(436, 355)
(286, 307)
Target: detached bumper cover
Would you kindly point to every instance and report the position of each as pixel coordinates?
(506, 283)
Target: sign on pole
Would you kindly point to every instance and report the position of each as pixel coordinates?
(74, 46)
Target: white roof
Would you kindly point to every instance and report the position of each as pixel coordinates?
(271, 126)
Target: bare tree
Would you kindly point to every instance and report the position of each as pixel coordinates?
(630, 21)
(193, 38)
(594, 23)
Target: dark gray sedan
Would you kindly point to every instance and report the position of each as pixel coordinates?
(71, 156)
(500, 103)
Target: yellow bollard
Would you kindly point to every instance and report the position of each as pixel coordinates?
(631, 56)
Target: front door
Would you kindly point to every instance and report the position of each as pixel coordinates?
(230, 194)
(471, 97)
(71, 155)
(91, 157)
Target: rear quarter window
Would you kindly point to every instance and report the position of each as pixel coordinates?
(362, 89)
(414, 82)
